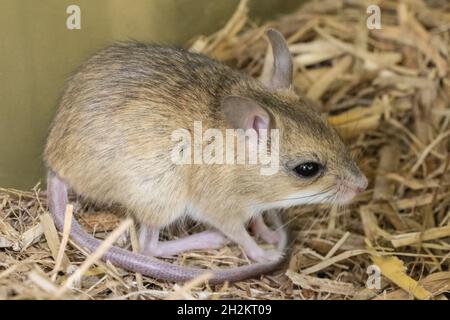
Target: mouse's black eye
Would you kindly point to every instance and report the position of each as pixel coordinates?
(308, 169)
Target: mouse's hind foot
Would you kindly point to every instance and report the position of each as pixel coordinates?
(150, 244)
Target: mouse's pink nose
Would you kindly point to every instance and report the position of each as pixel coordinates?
(362, 185)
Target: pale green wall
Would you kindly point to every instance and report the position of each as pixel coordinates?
(37, 52)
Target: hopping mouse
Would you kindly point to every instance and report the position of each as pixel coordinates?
(110, 142)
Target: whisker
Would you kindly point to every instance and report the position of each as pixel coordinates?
(286, 223)
(331, 199)
(316, 221)
(309, 196)
(295, 217)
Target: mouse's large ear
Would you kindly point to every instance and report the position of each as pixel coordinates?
(245, 113)
(282, 62)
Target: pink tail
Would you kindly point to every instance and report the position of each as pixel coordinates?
(57, 192)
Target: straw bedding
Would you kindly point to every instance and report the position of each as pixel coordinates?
(388, 94)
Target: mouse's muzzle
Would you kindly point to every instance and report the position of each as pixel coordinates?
(348, 187)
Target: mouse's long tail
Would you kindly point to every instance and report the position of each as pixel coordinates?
(57, 191)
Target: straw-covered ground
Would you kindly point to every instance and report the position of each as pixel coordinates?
(386, 91)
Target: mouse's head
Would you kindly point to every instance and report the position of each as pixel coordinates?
(315, 166)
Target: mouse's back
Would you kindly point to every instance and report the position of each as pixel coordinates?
(132, 71)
